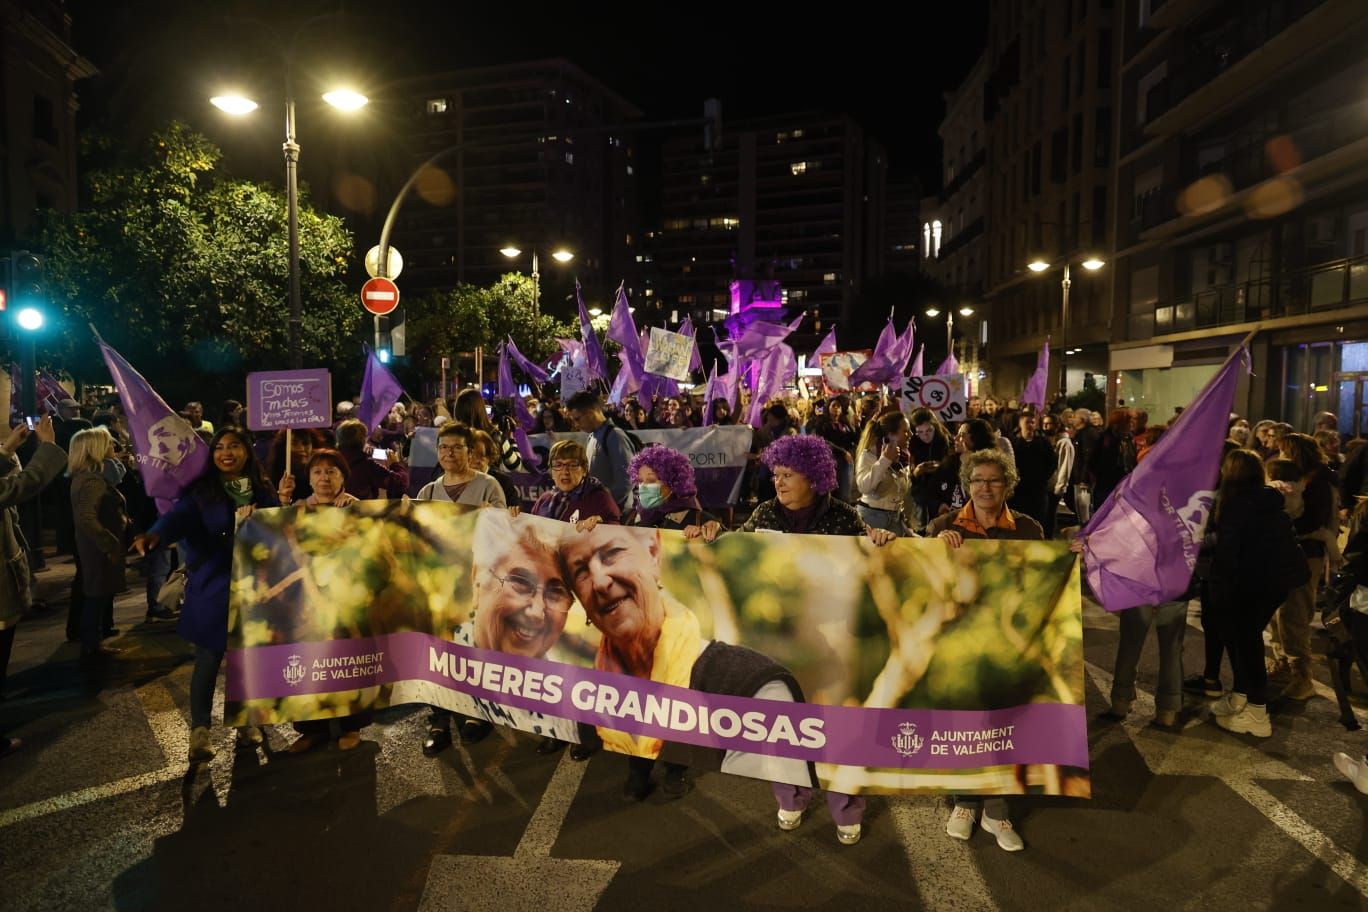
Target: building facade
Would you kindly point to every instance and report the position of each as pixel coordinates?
(38, 73)
(535, 163)
(798, 199)
(1243, 205)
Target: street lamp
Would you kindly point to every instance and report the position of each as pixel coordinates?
(343, 99)
(965, 311)
(1092, 264)
(561, 255)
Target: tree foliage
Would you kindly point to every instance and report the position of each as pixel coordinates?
(442, 323)
(186, 271)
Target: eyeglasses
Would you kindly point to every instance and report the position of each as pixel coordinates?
(987, 482)
(554, 593)
(565, 466)
(451, 447)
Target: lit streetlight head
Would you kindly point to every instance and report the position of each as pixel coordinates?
(966, 311)
(562, 256)
(1092, 264)
(1037, 265)
(510, 251)
(345, 99)
(233, 104)
(596, 311)
(29, 318)
(932, 312)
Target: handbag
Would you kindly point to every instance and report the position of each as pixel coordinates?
(172, 592)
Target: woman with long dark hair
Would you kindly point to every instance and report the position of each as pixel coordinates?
(943, 491)
(203, 521)
(881, 472)
(838, 429)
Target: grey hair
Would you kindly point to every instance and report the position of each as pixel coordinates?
(996, 457)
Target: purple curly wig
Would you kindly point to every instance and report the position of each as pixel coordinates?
(808, 456)
(671, 467)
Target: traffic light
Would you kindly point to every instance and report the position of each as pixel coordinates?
(28, 300)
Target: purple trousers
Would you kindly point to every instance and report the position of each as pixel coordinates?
(846, 810)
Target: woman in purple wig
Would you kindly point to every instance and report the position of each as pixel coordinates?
(804, 477)
(665, 491)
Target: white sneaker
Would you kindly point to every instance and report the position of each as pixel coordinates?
(1251, 720)
(1229, 704)
(789, 820)
(848, 835)
(961, 825)
(1356, 771)
(1007, 837)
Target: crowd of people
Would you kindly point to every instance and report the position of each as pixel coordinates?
(846, 465)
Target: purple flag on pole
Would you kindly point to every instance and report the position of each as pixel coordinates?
(917, 362)
(888, 360)
(1034, 393)
(533, 370)
(379, 392)
(598, 367)
(507, 388)
(687, 329)
(712, 390)
(1141, 544)
(772, 370)
(523, 414)
(903, 352)
(827, 345)
(948, 366)
(170, 453)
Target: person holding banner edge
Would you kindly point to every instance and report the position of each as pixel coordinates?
(203, 521)
(990, 478)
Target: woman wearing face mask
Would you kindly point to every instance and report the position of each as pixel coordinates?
(203, 521)
(99, 519)
(327, 472)
(666, 492)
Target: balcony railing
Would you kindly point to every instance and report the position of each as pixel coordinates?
(1323, 287)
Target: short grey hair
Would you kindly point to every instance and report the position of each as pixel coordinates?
(995, 457)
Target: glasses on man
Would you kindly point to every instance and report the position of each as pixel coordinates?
(554, 593)
(987, 482)
(451, 447)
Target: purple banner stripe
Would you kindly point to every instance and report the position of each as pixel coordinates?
(1047, 733)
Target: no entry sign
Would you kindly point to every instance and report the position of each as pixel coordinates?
(379, 296)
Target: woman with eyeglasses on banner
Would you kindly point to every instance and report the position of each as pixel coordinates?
(460, 483)
(989, 477)
(581, 499)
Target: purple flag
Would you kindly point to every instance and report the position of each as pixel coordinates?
(902, 353)
(379, 392)
(534, 371)
(1141, 544)
(50, 391)
(170, 453)
(1034, 393)
(948, 366)
(523, 414)
(771, 372)
(598, 367)
(687, 329)
(711, 390)
(758, 337)
(827, 346)
(917, 362)
(888, 360)
(507, 388)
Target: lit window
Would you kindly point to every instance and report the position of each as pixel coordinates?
(702, 179)
(569, 158)
(629, 173)
(436, 105)
(797, 134)
(798, 168)
(935, 237)
(377, 258)
(797, 294)
(649, 292)
(829, 278)
(926, 240)
(780, 137)
(730, 222)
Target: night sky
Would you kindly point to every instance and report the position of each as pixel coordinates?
(161, 58)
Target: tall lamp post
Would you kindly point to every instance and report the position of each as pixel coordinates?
(1092, 264)
(560, 255)
(964, 311)
(238, 105)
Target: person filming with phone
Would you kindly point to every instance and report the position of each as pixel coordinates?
(881, 472)
(367, 478)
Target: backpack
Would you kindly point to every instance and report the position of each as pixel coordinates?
(636, 442)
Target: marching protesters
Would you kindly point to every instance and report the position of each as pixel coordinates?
(929, 445)
(1254, 564)
(1291, 630)
(327, 473)
(366, 478)
(990, 478)
(100, 519)
(609, 449)
(804, 477)
(17, 486)
(881, 472)
(203, 521)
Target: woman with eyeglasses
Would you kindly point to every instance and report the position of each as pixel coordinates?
(460, 483)
(990, 478)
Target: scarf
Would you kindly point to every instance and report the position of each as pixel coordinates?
(680, 643)
(800, 520)
(561, 501)
(652, 516)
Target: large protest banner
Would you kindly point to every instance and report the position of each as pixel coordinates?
(805, 659)
(717, 453)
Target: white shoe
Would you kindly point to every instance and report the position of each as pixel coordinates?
(961, 825)
(1250, 720)
(1229, 704)
(789, 820)
(847, 835)
(1007, 837)
(1356, 771)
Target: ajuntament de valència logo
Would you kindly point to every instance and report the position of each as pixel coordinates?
(294, 672)
(907, 742)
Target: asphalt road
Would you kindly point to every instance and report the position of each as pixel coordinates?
(98, 810)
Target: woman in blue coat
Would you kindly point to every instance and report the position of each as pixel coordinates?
(203, 521)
